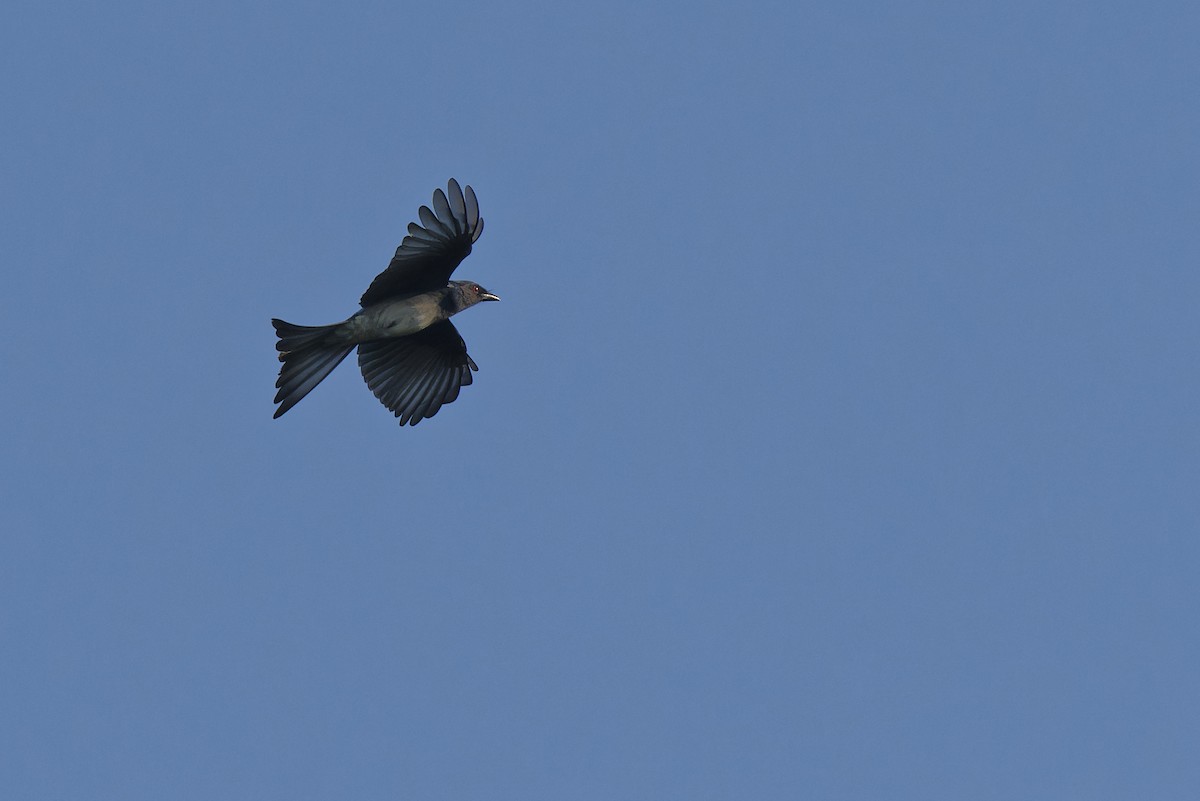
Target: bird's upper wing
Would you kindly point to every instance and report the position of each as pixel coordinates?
(428, 255)
(416, 375)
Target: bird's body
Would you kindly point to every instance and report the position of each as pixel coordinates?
(408, 350)
(397, 318)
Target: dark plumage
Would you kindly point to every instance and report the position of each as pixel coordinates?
(410, 354)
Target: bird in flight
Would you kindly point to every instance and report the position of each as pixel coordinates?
(408, 350)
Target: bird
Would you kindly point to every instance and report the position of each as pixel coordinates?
(411, 355)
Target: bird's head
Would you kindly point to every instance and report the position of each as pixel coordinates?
(469, 293)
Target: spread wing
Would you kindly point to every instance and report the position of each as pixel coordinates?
(428, 255)
(416, 375)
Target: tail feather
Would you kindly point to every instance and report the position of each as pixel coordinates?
(309, 353)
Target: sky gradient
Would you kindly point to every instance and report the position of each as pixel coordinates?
(836, 436)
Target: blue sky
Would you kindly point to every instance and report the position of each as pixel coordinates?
(836, 436)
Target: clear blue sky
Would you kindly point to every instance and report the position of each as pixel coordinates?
(836, 438)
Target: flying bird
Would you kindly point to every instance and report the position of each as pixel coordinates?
(408, 350)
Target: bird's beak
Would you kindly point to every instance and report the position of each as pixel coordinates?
(489, 296)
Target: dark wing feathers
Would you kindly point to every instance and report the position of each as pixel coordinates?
(416, 375)
(459, 206)
(432, 250)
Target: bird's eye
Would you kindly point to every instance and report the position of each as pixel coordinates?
(475, 289)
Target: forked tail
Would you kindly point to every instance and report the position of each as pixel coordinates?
(309, 353)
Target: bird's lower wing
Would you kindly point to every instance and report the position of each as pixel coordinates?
(416, 375)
